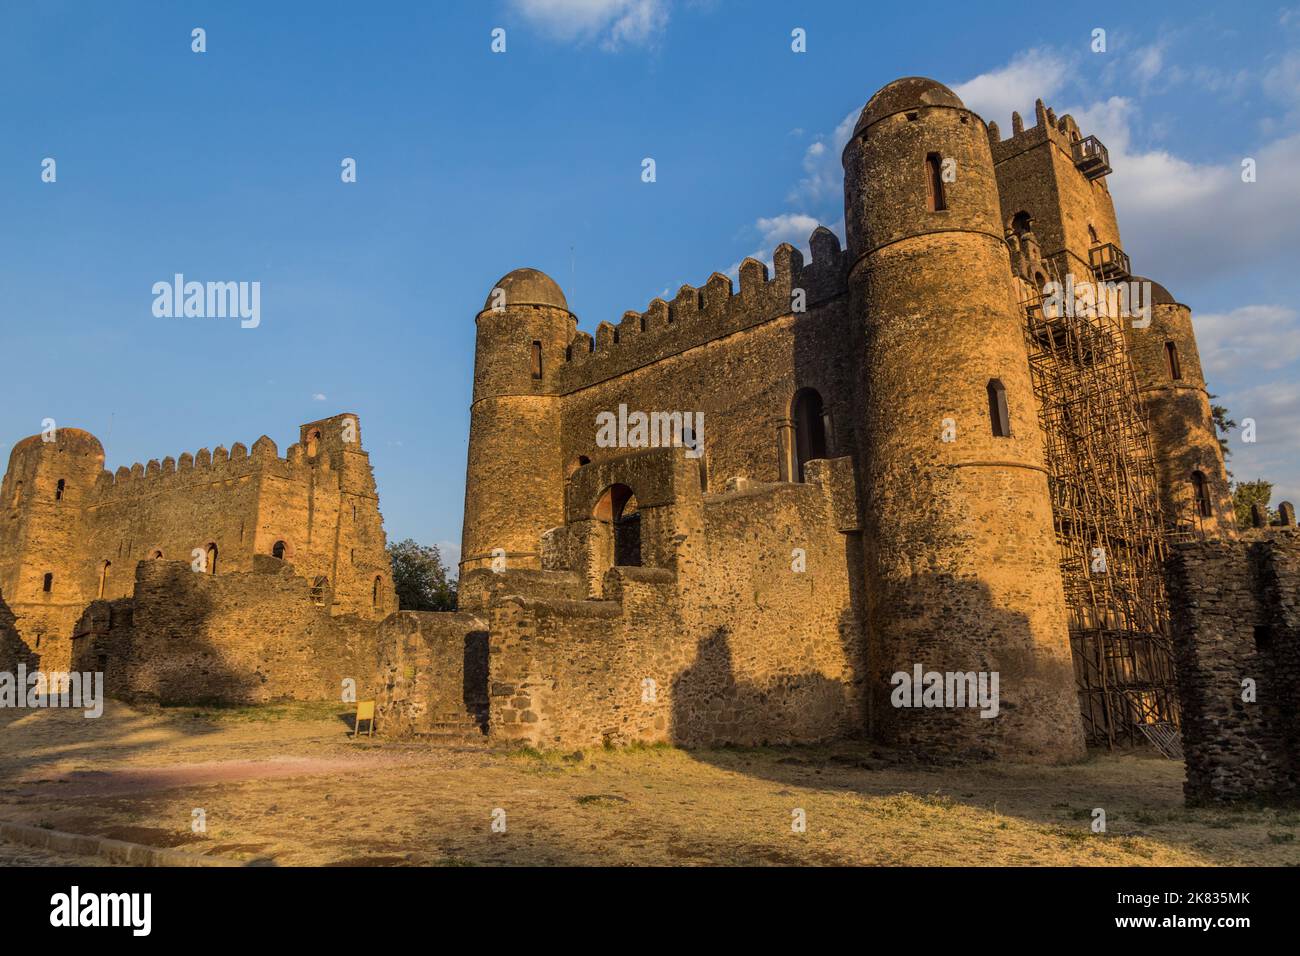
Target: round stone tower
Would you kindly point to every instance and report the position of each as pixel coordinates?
(514, 482)
(1193, 478)
(961, 569)
(43, 575)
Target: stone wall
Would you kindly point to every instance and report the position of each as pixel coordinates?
(64, 517)
(237, 638)
(718, 639)
(1236, 618)
(433, 672)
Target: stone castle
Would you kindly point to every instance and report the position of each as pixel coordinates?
(73, 533)
(891, 458)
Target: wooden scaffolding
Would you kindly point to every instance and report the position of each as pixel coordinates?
(1109, 528)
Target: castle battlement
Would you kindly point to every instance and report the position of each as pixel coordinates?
(697, 315)
(73, 532)
(204, 467)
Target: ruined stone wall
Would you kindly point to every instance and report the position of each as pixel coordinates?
(236, 638)
(90, 532)
(433, 671)
(718, 639)
(1236, 618)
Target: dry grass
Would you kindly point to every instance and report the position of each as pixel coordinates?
(390, 803)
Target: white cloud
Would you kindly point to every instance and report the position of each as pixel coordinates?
(612, 23)
(318, 397)
(1282, 81)
(823, 174)
(1149, 60)
(1034, 74)
(1249, 339)
(792, 227)
(1183, 221)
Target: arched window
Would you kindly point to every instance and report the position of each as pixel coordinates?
(277, 550)
(809, 429)
(103, 578)
(320, 590)
(998, 414)
(1021, 223)
(376, 596)
(934, 198)
(212, 559)
(58, 490)
(1171, 361)
(157, 555)
(1201, 489)
(618, 507)
(1092, 235)
(48, 584)
(537, 359)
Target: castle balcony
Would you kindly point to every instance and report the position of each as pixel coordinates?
(1091, 157)
(1109, 262)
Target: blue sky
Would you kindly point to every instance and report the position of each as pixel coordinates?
(225, 165)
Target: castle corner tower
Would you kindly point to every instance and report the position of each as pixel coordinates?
(514, 475)
(961, 561)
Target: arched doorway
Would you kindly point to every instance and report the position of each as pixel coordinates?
(809, 429)
(618, 508)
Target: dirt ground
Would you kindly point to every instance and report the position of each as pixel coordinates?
(285, 786)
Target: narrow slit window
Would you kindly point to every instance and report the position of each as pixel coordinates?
(1201, 488)
(1171, 360)
(998, 414)
(537, 360)
(58, 490)
(934, 198)
(48, 584)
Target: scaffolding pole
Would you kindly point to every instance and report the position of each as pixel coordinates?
(1106, 512)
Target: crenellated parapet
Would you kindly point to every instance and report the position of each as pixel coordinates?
(698, 315)
(208, 466)
(1062, 131)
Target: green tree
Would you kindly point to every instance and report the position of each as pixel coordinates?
(1247, 493)
(420, 578)
(1223, 426)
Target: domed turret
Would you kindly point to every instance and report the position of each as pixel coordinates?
(514, 439)
(1194, 493)
(907, 93)
(526, 287)
(962, 567)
